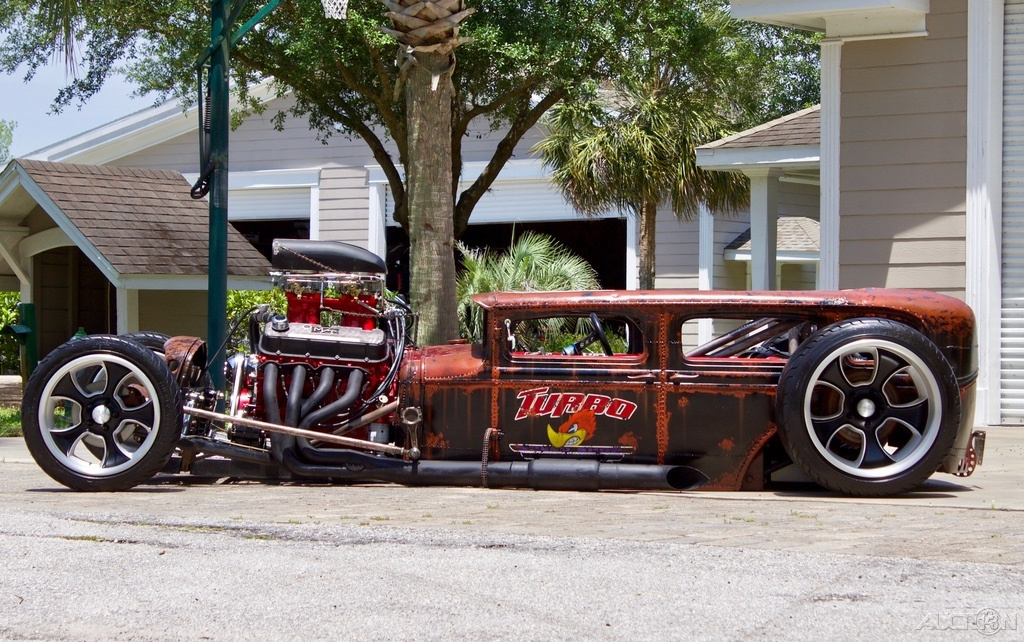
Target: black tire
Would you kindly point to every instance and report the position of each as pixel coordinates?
(153, 340)
(868, 407)
(102, 413)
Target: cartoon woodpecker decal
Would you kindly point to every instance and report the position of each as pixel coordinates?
(578, 428)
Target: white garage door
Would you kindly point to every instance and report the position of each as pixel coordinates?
(274, 204)
(1012, 335)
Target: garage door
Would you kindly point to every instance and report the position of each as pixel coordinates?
(1012, 334)
(277, 204)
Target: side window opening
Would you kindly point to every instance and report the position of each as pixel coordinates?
(749, 338)
(574, 335)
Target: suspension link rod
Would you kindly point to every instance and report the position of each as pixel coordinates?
(298, 432)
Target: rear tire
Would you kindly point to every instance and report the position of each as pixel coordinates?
(101, 413)
(153, 340)
(868, 407)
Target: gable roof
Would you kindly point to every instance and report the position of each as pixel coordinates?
(131, 222)
(797, 237)
(791, 141)
(799, 128)
(137, 131)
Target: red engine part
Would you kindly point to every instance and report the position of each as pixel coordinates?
(306, 308)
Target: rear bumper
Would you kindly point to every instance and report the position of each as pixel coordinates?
(969, 448)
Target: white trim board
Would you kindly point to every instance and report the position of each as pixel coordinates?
(738, 159)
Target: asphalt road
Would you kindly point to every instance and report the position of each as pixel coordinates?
(172, 561)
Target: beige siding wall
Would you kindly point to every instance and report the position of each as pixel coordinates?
(173, 312)
(903, 157)
(257, 145)
(676, 251)
(797, 276)
(678, 260)
(798, 199)
(730, 275)
(479, 146)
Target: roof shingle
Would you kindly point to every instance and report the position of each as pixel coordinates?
(794, 234)
(800, 128)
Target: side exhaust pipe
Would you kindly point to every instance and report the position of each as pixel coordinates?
(541, 474)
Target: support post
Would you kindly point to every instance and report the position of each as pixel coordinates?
(764, 216)
(831, 71)
(217, 287)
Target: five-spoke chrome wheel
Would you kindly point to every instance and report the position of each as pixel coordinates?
(873, 408)
(101, 413)
(868, 407)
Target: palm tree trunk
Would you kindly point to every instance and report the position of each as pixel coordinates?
(431, 204)
(648, 223)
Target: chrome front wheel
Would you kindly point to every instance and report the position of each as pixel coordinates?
(101, 413)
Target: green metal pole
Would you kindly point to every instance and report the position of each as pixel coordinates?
(217, 289)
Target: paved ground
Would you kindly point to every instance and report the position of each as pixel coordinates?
(254, 561)
(10, 390)
(980, 518)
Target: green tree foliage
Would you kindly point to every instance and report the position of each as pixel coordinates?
(534, 262)
(630, 145)
(6, 136)
(241, 302)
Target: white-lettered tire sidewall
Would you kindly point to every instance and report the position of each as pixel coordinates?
(166, 400)
(801, 373)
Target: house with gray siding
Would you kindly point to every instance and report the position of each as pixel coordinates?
(922, 137)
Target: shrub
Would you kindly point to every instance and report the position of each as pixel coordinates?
(10, 349)
(242, 301)
(534, 262)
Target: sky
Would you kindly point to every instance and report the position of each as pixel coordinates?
(29, 106)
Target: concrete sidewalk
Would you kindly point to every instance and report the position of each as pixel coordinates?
(996, 484)
(10, 390)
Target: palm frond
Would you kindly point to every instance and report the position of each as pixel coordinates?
(533, 262)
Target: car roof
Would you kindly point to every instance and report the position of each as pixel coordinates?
(919, 304)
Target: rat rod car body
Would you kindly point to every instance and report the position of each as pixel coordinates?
(867, 392)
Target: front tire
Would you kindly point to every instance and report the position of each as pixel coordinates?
(101, 413)
(868, 407)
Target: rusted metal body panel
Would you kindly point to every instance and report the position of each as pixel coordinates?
(714, 415)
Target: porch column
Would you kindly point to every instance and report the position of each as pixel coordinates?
(127, 310)
(633, 253)
(706, 249)
(764, 214)
(828, 266)
(984, 195)
(706, 266)
(377, 241)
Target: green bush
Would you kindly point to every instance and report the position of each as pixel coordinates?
(10, 354)
(534, 262)
(10, 422)
(242, 301)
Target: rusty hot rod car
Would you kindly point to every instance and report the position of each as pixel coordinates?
(867, 392)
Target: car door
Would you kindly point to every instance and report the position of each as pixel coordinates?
(720, 392)
(559, 402)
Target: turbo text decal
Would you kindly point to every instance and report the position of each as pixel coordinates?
(537, 402)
